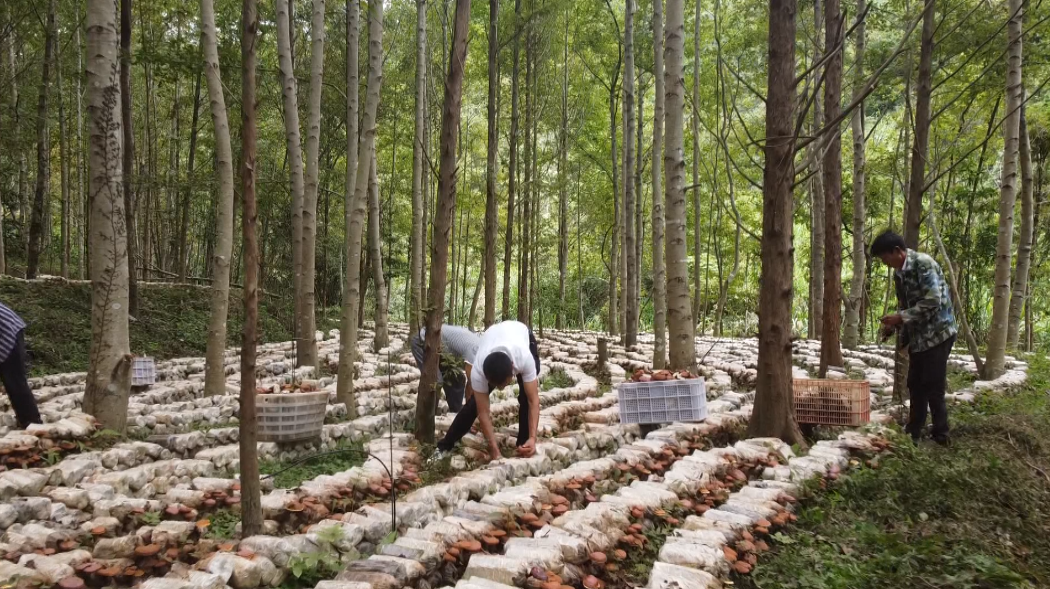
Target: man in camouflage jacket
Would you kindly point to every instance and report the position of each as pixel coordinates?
(926, 322)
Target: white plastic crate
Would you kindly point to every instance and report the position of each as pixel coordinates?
(290, 417)
(143, 371)
(664, 401)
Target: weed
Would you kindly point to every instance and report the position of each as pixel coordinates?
(222, 524)
(150, 518)
(310, 568)
(291, 474)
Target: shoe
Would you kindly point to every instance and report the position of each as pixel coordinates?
(438, 456)
(943, 440)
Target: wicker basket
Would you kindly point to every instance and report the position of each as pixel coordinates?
(832, 402)
(291, 417)
(143, 371)
(664, 401)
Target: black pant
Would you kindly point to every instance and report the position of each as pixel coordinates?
(453, 387)
(16, 384)
(927, 375)
(465, 418)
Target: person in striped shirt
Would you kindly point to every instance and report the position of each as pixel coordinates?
(13, 367)
(462, 344)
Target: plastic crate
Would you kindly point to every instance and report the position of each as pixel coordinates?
(290, 417)
(143, 371)
(665, 401)
(832, 402)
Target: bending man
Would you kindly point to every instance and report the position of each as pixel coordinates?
(507, 352)
(459, 342)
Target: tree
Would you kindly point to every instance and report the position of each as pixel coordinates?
(830, 347)
(920, 146)
(251, 497)
(426, 399)
(563, 180)
(512, 167)
(630, 288)
(854, 302)
(358, 207)
(129, 156)
(774, 415)
(43, 151)
(307, 348)
(352, 217)
(816, 193)
(1018, 296)
(64, 155)
(289, 93)
(659, 275)
(418, 232)
(184, 222)
(381, 339)
(682, 345)
(995, 363)
(214, 365)
(109, 369)
(491, 204)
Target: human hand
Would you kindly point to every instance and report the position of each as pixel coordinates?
(528, 448)
(495, 453)
(892, 320)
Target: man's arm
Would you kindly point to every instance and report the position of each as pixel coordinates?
(469, 392)
(532, 393)
(485, 417)
(931, 297)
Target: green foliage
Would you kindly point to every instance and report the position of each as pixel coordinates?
(309, 568)
(223, 524)
(969, 516)
(556, 379)
(347, 454)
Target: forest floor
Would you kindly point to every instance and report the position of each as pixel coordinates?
(172, 321)
(973, 515)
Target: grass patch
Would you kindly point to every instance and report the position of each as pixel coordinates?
(291, 474)
(959, 379)
(556, 379)
(974, 515)
(222, 524)
(172, 321)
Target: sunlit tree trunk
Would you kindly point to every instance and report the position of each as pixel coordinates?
(773, 414)
(109, 363)
(659, 275)
(699, 305)
(289, 92)
(214, 365)
(512, 166)
(382, 338)
(682, 345)
(307, 348)
(418, 237)
(358, 209)
(830, 346)
(997, 330)
(426, 400)
(491, 170)
(1024, 246)
(41, 199)
(251, 507)
(852, 327)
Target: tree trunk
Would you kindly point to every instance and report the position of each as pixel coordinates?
(614, 251)
(251, 507)
(64, 154)
(679, 316)
(81, 188)
(295, 166)
(418, 237)
(43, 152)
(357, 211)
(187, 191)
(774, 415)
(830, 346)
(214, 365)
(629, 196)
(491, 193)
(659, 276)
(109, 367)
(851, 330)
(526, 186)
(512, 168)
(351, 217)
(563, 189)
(474, 302)
(307, 348)
(699, 305)
(450, 117)
(382, 337)
(995, 363)
(130, 204)
(1024, 246)
(920, 147)
(816, 194)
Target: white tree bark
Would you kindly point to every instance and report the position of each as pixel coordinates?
(214, 365)
(1024, 246)
(418, 235)
(109, 367)
(851, 327)
(995, 364)
(659, 274)
(679, 315)
(307, 349)
(375, 252)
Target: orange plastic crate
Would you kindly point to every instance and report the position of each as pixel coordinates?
(832, 402)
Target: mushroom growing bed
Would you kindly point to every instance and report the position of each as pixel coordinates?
(159, 509)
